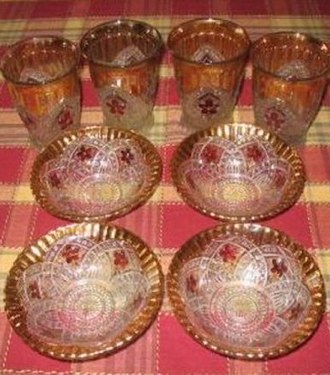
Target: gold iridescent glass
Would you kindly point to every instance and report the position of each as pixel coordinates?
(83, 291)
(290, 74)
(123, 58)
(209, 58)
(41, 73)
(95, 174)
(246, 291)
(238, 173)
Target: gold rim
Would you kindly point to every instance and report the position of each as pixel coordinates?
(261, 235)
(35, 253)
(56, 148)
(231, 132)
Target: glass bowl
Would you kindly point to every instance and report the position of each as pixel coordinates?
(246, 291)
(237, 172)
(83, 291)
(95, 173)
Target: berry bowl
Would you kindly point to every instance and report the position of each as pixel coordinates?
(238, 173)
(95, 174)
(246, 291)
(83, 291)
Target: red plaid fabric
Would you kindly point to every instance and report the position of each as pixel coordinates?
(165, 222)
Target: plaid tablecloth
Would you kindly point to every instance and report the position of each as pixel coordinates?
(165, 222)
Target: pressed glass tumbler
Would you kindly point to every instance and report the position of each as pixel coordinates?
(209, 58)
(123, 58)
(290, 73)
(42, 77)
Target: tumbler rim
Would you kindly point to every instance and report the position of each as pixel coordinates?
(122, 21)
(292, 35)
(219, 21)
(43, 37)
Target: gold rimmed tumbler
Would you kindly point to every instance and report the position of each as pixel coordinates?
(123, 58)
(290, 73)
(42, 77)
(209, 58)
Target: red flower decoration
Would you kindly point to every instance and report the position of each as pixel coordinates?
(116, 104)
(279, 267)
(34, 290)
(255, 153)
(121, 259)
(71, 254)
(228, 253)
(279, 179)
(208, 104)
(127, 156)
(65, 118)
(86, 153)
(294, 312)
(55, 179)
(192, 284)
(274, 117)
(211, 153)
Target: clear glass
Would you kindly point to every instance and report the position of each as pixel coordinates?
(237, 172)
(209, 60)
(290, 72)
(123, 57)
(246, 291)
(95, 174)
(41, 73)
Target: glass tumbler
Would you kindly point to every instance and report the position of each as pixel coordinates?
(209, 60)
(42, 77)
(123, 58)
(290, 73)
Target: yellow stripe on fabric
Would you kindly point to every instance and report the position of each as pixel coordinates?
(323, 260)
(19, 193)
(6, 192)
(288, 23)
(167, 127)
(317, 193)
(243, 113)
(24, 194)
(7, 258)
(13, 30)
(313, 193)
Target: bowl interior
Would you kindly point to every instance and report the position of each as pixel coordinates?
(96, 176)
(84, 292)
(237, 172)
(246, 293)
